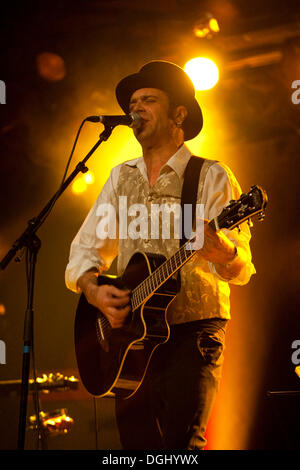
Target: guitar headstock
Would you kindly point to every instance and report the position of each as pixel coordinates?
(248, 205)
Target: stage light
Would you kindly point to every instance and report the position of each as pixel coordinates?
(81, 183)
(206, 27)
(79, 186)
(54, 423)
(89, 177)
(214, 25)
(203, 72)
(50, 66)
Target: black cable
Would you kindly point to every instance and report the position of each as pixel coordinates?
(56, 195)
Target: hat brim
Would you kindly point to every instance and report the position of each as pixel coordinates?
(127, 86)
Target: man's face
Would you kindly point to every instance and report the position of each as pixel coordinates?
(153, 107)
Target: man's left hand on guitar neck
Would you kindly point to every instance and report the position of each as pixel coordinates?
(222, 252)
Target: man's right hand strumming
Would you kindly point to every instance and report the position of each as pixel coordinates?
(114, 303)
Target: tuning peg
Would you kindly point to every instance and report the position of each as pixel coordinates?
(238, 228)
(261, 216)
(250, 223)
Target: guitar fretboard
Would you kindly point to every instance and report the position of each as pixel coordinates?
(146, 288)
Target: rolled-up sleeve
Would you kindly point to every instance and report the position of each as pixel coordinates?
(219, 188)
(87, 249)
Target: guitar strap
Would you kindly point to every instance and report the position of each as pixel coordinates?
(189, 194)
(192, 187)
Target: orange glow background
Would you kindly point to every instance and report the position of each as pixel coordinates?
(250, 124)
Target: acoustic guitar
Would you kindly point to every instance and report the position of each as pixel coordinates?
(114, 361)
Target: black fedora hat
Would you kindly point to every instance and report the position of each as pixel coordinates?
(174, 81)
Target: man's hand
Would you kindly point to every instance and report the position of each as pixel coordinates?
(217, 248)
(114, 303)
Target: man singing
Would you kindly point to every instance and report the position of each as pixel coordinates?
(171, 408)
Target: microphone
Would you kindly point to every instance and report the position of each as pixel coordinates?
(131, 120)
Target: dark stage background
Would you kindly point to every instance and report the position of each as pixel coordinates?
(251, 123)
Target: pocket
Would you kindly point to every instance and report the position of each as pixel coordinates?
(211, 347)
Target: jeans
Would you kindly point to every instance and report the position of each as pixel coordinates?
(171, 409)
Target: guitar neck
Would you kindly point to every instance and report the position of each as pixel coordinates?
(166, 270)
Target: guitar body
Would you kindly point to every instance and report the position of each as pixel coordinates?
(115, 361)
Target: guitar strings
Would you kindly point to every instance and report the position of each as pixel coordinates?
(160, 275)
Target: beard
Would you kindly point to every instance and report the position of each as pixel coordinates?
(148, 133)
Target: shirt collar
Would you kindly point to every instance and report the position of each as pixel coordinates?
(177, 162)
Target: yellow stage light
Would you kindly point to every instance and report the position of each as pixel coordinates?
(214, 25)
(201, 32)
(89, 177)
(203, 72)
(79, 186)
(206, 27)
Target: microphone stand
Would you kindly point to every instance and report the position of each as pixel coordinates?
(29, 240)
